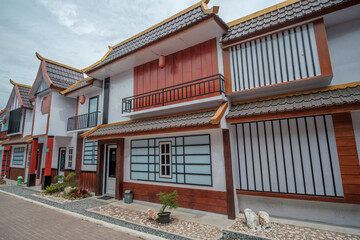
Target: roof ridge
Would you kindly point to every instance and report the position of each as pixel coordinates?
(262, 12)
(57, 63)
(19, 84)
(298, 93)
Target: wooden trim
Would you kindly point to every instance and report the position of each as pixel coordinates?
(289, 114)
(40, 135)
(151, 45)
(100, 170)
(85, 134)
(45, 75)
(74, 85)
(56, 63)
(230, 198)
(219, 113)
(48, 120)
(161, 131)
(120, 152)
(18, 95)
(79, 155)
(227, 71)
(348, 156)
(322, 47)
(291, 196)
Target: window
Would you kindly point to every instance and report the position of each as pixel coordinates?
(70, 157)
(18, 156)
(90, 152)
(165, 159)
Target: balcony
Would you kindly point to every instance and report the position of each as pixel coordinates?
(83, 121)
(192, 90)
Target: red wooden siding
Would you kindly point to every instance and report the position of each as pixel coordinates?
(4, 167)
(189, 64)
(87, 180)
(204, 200)
(14, 173)
(348, 156)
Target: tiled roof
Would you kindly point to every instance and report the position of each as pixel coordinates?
(297, 102)
(79, 84)
(177, 121)
(24, 94)
(62, 77)
(296, 10)
(188, 18)
(18, 140)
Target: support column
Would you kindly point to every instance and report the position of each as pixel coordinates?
(7, 149)
(32, 165)
(230, 198)
(120, 150)
(48, 160)
(100, 169)
(79, 156)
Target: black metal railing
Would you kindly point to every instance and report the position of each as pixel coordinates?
(83, 121)
(193, 89)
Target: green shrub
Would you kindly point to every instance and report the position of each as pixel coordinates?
(61, 183)
(54, 188)
(168, 200)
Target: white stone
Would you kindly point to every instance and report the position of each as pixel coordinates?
(67, 189)
(252, 220)
(264, 219)
(153, 215)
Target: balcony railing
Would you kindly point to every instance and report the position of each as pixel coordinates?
(212, 85)
(83, 121)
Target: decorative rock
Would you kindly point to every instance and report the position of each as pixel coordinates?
(153, 215)
(264, 219)
(252, 220)
(67, 189)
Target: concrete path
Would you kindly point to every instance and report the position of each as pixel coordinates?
(20, 219)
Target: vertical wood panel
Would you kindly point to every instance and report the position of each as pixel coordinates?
(348, 156)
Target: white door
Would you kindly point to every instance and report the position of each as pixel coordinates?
(27, 165)
(110, 170)
(61, 162)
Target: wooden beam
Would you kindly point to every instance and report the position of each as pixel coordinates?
(230, 198)
(227, 71)
(322, 47)
(79, 155)
(100, 170)
(120, 152)
(219, 113)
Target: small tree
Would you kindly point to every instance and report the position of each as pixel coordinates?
(168, 200)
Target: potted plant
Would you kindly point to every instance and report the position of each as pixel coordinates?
(168, 200)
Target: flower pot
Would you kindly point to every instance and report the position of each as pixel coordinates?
(164, 217)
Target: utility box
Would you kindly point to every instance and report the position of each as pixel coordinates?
(128, 198)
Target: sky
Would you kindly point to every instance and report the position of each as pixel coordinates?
(78, 33)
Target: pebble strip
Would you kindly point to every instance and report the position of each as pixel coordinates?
(176, 226)
(285, 231)
(52, 198)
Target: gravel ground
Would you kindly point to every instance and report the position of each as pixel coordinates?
(60, 200)
(176, 226)
(291, 232)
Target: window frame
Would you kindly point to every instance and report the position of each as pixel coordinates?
(68, 157)
(94, 156)
(23, 159)
(161, 175)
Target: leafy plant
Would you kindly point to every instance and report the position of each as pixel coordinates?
(168, 200)
(77, 193)
(61, 183)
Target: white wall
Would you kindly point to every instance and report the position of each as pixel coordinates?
(332, 213)
(343, 41)
(61, 109)
(28, 122)
(356, 125)
(84, 108)
(121, 86)
(64, 142)
(217, 158)
(40, 121)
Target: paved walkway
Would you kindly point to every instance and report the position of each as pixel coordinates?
(20, 219)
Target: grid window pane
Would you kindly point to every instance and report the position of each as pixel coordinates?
(90, 152)
(18, 157)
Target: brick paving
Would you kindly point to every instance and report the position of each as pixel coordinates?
(20, 219)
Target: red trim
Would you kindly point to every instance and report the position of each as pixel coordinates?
(34, 148)
(18, 95)
(49, 145)
(45, 75)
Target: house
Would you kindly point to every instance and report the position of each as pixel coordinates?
(16, 130)
(53, 148)
(292, 76)
(3, 137)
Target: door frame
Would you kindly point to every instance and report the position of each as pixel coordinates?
(107, 155)
(58, 167)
